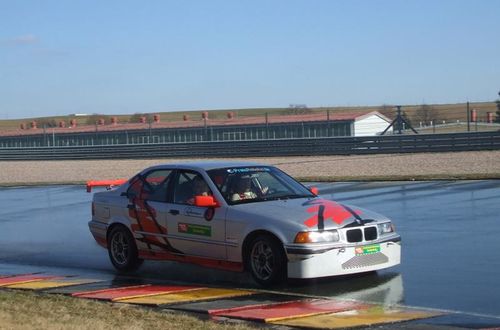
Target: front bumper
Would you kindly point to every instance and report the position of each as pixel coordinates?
(342, 260)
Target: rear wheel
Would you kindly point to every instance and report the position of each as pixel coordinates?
(123, 250)
(266, 260)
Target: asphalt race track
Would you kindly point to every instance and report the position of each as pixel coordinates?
(450, 256)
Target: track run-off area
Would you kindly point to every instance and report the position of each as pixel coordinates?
(448, 276)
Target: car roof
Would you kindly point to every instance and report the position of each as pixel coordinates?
(207, 165)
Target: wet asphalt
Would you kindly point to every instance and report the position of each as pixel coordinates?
(450, 232)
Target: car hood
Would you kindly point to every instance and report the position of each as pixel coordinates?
(304, 213)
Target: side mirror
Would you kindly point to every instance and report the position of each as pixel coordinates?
(205, 201)
(314, 190)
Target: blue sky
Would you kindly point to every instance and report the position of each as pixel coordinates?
(111, 57)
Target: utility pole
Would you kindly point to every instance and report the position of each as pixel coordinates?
(150, 133)
(45, 140)
(468, 117)
(398, 123)
(329, 128)
(267, 126)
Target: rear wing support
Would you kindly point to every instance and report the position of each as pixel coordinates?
(104, 183)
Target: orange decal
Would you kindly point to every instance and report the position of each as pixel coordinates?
(332, 210)
(145, 221)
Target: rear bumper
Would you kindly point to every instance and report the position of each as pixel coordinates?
(99, 231)
(313, 263)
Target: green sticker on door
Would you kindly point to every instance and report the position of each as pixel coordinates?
(188, 228)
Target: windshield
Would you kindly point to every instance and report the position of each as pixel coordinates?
(256, 184)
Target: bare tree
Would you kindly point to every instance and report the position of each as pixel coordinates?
(426, 114)
(298, 109)
(387, 110)
(407, 119)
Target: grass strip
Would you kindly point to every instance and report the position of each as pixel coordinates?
(30, 310)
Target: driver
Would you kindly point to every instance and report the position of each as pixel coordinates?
(200, 188)
(243, 190)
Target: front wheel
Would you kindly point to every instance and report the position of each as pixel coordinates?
(266, 260)
(123, 250)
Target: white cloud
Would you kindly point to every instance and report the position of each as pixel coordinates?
(27, 39)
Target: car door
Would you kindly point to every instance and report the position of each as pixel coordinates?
(148, 195)
(196, 231)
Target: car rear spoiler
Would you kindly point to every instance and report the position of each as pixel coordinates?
(104, 183)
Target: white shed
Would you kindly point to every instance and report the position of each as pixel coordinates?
(372, 123)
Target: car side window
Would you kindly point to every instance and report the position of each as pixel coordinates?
(155, 185)
(135, 187)
(189, 184)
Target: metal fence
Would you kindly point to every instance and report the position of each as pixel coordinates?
(274, 147)
(51, 138)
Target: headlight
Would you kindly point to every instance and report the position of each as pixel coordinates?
(385, 228)
(317, 236)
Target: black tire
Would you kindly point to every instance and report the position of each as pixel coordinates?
(266, 260)
(122, 250)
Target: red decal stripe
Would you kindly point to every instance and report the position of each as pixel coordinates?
(206, 262)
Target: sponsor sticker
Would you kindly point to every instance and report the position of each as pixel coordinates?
(248, 169)
(188, 228)
(369, 249)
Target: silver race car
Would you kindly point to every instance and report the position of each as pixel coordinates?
(238, 216)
